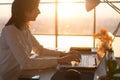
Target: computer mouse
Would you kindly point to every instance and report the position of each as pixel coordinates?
(72, 74)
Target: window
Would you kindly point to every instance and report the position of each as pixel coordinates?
(4, 14)
(66, 23)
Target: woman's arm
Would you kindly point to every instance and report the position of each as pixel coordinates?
(11, 38)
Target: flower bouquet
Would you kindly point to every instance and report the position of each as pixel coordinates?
(105, 39)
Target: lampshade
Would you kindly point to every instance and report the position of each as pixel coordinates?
(91, 4)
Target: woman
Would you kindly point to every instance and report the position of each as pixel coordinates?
(17, 42)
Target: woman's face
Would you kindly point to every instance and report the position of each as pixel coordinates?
(31, 16)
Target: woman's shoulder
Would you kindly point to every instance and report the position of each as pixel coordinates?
(9, 28)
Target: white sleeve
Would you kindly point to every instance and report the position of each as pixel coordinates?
(18, 51)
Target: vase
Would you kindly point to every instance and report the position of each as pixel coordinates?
(111, 63)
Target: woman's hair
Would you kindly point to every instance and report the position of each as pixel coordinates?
(19, 8)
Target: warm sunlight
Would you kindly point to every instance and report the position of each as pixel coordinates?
(72, 21)
(69, 9)
(69, 1)
(65, 42)
(6, 1)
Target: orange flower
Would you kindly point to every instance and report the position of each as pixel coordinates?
(105, 40)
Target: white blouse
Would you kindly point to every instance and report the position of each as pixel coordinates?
(15, 49)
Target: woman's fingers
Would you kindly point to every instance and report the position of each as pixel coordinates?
(71, 56)
(74, 57)
(76, 53)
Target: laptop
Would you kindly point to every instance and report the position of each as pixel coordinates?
(90, 60)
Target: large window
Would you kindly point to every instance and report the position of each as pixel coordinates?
(66, 23)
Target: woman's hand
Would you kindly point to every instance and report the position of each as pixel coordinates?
(70, 56)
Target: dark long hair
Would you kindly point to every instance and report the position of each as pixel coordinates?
(19, 7)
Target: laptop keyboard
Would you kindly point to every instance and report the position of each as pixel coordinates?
(87, 60)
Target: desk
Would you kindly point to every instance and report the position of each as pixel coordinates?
(48, 73)
(44, 74)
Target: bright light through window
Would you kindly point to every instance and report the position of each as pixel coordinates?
(6, 1)
(75, 26)
(69, 1)
(68, 9)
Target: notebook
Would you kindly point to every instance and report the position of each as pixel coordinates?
(89, 62)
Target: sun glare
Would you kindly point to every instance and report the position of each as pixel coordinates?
(69, 1)
(66, 1)
(68, 9)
